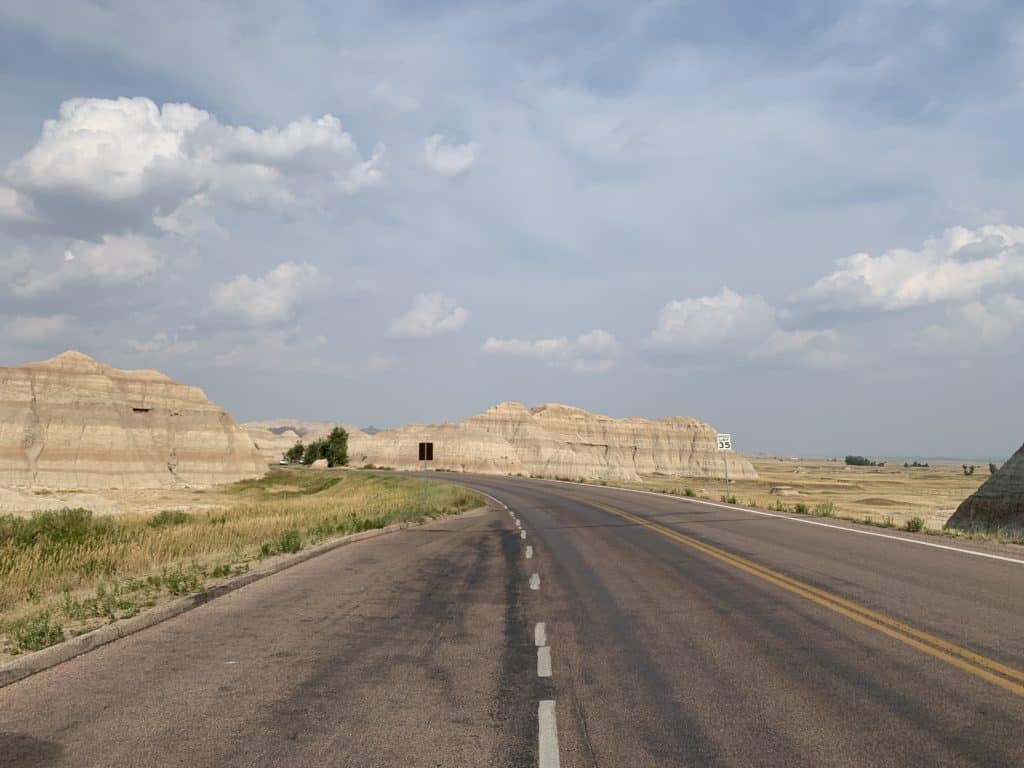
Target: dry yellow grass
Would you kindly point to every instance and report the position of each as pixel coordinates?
(79, 571)
(876, 493)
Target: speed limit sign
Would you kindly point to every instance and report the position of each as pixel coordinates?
(724, 442)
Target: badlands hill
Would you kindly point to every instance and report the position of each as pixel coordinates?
(556, 440)
(275, 436)
(74, 423)
(999, 503)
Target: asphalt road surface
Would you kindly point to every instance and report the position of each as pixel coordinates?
(581, 627)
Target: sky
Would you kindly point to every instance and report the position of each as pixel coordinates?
(800, 222)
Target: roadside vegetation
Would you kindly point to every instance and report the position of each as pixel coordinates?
(333, 448)
(67, 571)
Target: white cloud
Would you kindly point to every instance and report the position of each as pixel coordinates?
(449, 159)
(729, 324)
(112, 261)
(536, 349)
(973, 326)
(592, 352)
(273, 348)
(956, 266)
(269, 299)
(30, 329)
(431, 314)
(164, 343)
(107, 165)
(15, 207)
(385, 94)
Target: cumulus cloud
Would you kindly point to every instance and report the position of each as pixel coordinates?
(431, 314)
(111, 261)
(31, 329)
(110, 165)
(731, 324)
(592, 352)
(957, 266)
(265, 300)
(449, 159)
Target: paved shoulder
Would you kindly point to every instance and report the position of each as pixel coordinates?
(394, 651)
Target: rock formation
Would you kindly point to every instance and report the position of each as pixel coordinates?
(275, 436)
(74, 423)
(998, 504)
(556, 441)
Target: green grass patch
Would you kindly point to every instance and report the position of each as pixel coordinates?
(67, 571)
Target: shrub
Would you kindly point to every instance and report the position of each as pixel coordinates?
(296, 452)
(689, 492)
(167, 518)
(860, 461)
(825, 509)
(969, 469)
(914, 524)
(800, 508)
(992, 468)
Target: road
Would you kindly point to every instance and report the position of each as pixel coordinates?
(641, 630)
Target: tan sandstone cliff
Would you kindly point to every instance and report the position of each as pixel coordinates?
(556, 441)
(998, 504)
(74, 423)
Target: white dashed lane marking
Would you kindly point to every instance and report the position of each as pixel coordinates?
(535, 581)
(529, 551)
(544, 661)
(540, 634)
(522, 534)
(547, 735)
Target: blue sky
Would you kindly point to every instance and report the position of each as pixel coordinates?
(802, 224)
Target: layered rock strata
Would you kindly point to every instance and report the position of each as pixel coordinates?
(998, 504)
(74, 423)
(556, 440)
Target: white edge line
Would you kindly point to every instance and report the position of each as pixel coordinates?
(547, 735)
(690, 500)
(544, 661)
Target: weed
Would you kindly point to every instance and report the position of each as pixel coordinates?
(800, 508)
(689, 492)
(914, 524)
(34, 632)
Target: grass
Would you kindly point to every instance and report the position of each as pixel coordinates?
(67, 571)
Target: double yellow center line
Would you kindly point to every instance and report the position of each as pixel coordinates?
(1005, 677)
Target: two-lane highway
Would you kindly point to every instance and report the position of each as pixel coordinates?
(581, 626)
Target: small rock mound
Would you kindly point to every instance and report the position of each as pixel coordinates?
(998, 504)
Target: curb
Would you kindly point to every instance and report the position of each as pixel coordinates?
(37, 661)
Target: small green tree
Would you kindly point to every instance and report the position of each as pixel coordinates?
(296, 452)
(313, 452)
(335, 448)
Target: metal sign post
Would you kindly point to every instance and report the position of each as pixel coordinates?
(426, 455)
(724, 441)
